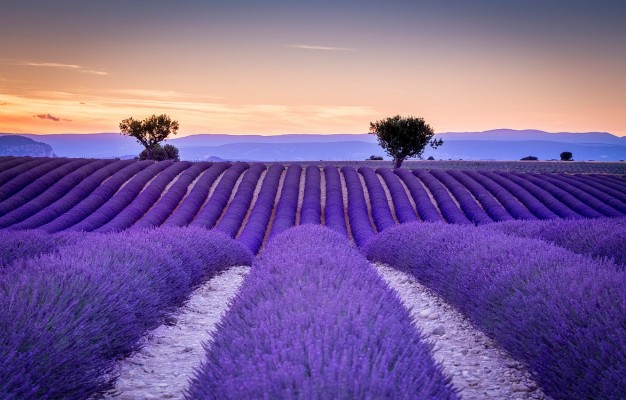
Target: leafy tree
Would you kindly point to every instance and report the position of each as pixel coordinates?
(530, 158)
(167, 152)
(404, 137)
(149, 132)
(375, 158)
(566, 156)
(431, 158)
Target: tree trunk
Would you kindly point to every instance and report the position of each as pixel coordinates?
(148, 153)
(397, 162)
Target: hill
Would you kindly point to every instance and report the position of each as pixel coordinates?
(498, 144)
(20, 146)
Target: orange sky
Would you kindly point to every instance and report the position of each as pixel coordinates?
(289, 69)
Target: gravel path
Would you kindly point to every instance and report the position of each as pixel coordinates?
(479, 368)
(172, 351)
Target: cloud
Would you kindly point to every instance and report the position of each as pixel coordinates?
(50, 117)
(326, 48)
(72, 67)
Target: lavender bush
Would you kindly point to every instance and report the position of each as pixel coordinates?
(314, 320)
(285, 216)
(197, 196)
(238, 207)
(19, 245)
(561, 313)
(360, 224)
(311, 209)
(334, 213)
(254, 230)
(600, 238)
(65, 318)
(381, 213)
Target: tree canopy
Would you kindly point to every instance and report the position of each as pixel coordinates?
(404, 137)
(566, 156)
(167, 152)
(149, 132)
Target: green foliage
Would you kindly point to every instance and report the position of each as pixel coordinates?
(530, 158)
(431, 158)
(375, 158)
(566, 156)
(149, 132)
(404, 137)
(167, 152)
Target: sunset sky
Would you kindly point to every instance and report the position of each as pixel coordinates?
(274, 67)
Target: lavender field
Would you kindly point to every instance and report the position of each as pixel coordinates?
(98, 255)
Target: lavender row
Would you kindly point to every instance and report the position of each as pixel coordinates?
(168, 203)
(562, 196)
(602, 195)
(541, 196)
(24, 179)
(311, 209)
(254, 230)
(286, 209)
(598, 184)
(116, 203)
(503, 195)
(560, 313)
(67, 318)
(73, 197)
(282, 338)
(238, 207)
(28, 165)
(334, 213)
(469, 206)
(381, 213)
(97, 198)
(358, 216)
(529, 201)
(401, 204)
(600, 238)
(8, 162)
(491, 206)
(145, 200)
(607, 181)
(212, 210)
(424, 206)
(190, 205)
(448, 207)
(589, 197)
(23, 208)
